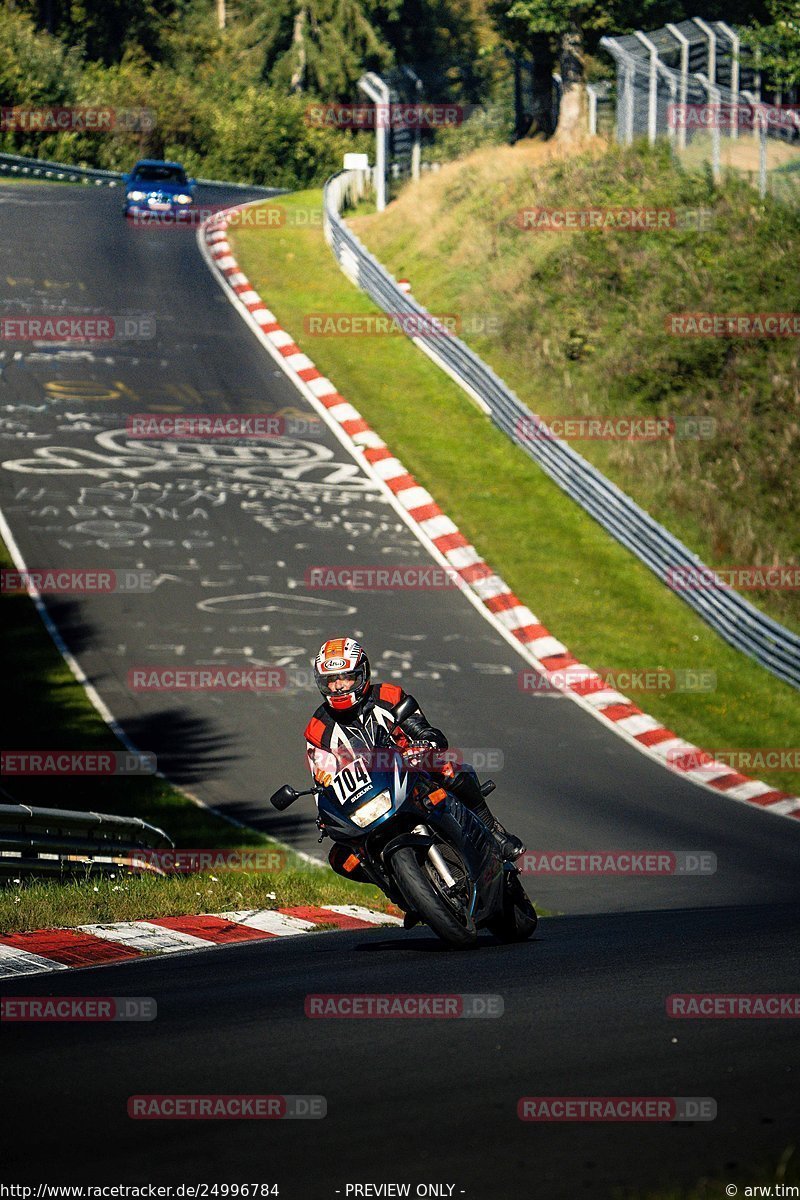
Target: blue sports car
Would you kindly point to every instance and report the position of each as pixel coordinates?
(157, 188)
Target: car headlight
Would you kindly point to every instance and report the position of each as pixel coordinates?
(183, 199)
(378, 806)
(136, 195)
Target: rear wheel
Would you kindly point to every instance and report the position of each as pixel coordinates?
(445, 908)
(519, 920)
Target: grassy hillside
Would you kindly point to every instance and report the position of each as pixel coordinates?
(609, 608)
(577, 327)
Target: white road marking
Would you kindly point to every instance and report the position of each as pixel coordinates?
(268, 921)
(14, 961)
(142, 935)
(363, 914)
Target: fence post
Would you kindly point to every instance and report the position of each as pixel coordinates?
(652, 94)
(735, 41)
(373, 86)
(669, 77)
(628, 101)
(712, 48)
(592, 94)
(683, 42)
(416, 149)
(714, 102)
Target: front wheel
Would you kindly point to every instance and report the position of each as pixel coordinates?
(444, 909)
(518, 920)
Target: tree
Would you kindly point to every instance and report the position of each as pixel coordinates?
(556, 30)
(523, 44)
(779, 43)
(320, 47)
(34, 68)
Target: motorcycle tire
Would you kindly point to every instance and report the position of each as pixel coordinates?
(519, 920)
(421, 892)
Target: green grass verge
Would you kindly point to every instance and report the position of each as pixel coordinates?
(579, 328)
(51, 710)
(608, 608)
(36, 904)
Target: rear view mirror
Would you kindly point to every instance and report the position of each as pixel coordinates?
(284, 796)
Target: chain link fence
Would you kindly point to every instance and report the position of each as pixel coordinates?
(697, 84)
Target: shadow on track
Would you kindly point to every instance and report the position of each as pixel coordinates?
(188, 748)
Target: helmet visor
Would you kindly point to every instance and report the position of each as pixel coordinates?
(343, 683)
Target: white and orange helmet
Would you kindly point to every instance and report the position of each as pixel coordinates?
(342, 672)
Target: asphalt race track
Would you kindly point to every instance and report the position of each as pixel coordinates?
(229, 533)
(421, 1100)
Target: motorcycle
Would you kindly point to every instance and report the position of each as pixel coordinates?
(421, 845)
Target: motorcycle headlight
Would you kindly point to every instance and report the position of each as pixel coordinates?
(183, 199)
(378, 806)
(136, 195)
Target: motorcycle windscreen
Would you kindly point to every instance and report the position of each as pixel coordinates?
(360, 798)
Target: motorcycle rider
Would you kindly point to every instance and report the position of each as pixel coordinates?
(349, 720)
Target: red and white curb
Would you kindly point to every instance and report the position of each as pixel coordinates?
(480, 584)
(45, 950)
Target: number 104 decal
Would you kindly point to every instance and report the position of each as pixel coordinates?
(351, 781)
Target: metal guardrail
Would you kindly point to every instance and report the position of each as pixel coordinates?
(725, 610)
(52, 839)
(42, 168)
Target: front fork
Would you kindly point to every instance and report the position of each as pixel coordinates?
(435, 857)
